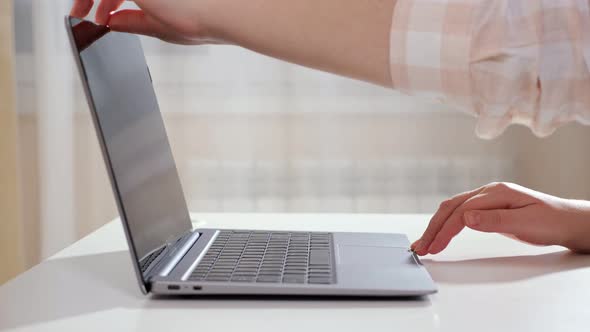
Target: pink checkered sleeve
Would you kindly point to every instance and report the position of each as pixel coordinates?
(505, 61)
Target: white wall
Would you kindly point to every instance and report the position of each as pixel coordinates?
(10, 227)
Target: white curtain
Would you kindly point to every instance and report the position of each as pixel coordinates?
(253, 134)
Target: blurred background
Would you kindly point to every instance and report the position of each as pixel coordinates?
(249, 134)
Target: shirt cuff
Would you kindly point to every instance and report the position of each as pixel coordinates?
(430, 49)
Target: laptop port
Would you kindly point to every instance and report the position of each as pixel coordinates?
(173, 287)
(197, 287)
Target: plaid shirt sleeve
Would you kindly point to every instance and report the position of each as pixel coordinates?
(505, 61)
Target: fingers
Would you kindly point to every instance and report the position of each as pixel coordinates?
(81, 8)
(455, 223)
(105, 8)
(490, 197)
(133, 21)
(509, 221)
(437, 221)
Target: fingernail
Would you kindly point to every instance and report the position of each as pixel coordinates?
(415, 244)
(472, 218)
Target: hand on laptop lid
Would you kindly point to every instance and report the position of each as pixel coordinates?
(172, 21)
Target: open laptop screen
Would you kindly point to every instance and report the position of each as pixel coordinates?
(132, 135)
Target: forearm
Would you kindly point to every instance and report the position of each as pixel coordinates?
(345, 37)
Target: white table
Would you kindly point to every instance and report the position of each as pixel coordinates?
(486, 283)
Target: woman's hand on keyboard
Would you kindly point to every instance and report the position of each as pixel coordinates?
(511, 210)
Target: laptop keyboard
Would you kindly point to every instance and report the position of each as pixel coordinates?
(269, 257)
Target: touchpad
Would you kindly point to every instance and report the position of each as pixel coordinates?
(370, 255)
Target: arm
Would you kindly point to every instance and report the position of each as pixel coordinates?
(345, 37)
(490, 58)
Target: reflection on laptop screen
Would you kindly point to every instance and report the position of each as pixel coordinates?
(143, 171)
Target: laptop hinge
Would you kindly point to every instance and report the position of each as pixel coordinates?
(176, 254)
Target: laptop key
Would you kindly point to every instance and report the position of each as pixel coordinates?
(319, 281)
(293, 280)
(268, 279)
(243, 279)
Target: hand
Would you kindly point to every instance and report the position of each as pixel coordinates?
(175, 21)
(512, 210)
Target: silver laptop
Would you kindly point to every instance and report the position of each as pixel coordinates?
(169, 256)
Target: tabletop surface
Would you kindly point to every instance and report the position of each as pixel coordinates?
(486, 283)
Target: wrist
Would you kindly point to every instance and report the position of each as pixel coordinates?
(215, 18)
(577, 219)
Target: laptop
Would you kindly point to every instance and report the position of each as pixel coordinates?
(168, 255)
